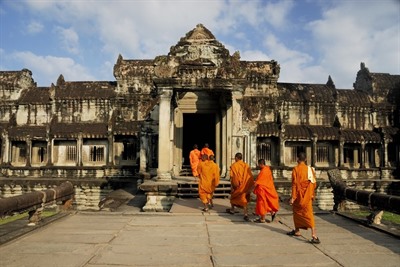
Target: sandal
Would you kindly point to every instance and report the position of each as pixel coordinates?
(230, 211)
(258, 220)
(293, 233)
(205, 209)
(273, 216)
(246, 218)
(315, 240)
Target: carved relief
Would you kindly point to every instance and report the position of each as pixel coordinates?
(251, 108)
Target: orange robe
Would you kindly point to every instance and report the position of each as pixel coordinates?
(207, 151)
(303, 195)
(194, 157)
(217, 177)
(241, 183)
(267, 197)
(208, 178)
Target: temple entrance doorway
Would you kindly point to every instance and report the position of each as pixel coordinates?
(198, 128)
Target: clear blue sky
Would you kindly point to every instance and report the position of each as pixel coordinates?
(310, 39)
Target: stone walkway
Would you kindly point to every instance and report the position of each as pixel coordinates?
(187, 237)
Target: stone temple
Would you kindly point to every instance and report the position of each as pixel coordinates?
(145, 123)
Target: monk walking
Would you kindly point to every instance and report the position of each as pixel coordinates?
(267, 197)
(217, 177)
(303, 187)
(208, 179)
(206, 151)
(241, 184)
(194, 157)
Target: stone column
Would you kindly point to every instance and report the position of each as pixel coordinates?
(5, 142)
(341, 152)
(281, 150)
(229, 154)
(385, 152)
(362, 157)
(252, 147)
(143, 152)
(49, 151)
(178, 157)
(237, 134)
(28, 151)
(110, 150)
(224, 158)
(314, 150)
(164, 169)
(79, 147)
(218, 139)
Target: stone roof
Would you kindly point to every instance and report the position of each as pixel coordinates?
(386, 80)
(11, 78)
(127, 128)
(307, 92)
(324, 132)
(133, 68)
(85, 90)
(296, 132)
(355, 98)
(35, 95)
(356, 136)
(307, 132)
(22, 132)
(268, 129)
(90, 130)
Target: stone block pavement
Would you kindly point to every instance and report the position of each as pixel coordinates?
(188, 237)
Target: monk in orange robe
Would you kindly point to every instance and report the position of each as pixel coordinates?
(242, 182)
(216, 181)
(206, 151)
(303, 187)
(208, 178)
(267, 197)
(194, 157)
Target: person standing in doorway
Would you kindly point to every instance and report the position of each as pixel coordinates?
(241, 184)
(194, 157)
(303, 187)
(267, 197)
(206, 151)
(208, 177)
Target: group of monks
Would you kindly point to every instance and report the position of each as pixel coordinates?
(243, 183)
(207, 171)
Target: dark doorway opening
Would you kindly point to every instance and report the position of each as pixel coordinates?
(197, 129)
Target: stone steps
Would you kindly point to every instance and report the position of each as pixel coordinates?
(190, 189)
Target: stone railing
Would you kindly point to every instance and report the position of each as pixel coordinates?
(377, 202)
(34, 202)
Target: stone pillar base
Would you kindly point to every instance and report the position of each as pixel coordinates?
(164, 176)
(158, 203)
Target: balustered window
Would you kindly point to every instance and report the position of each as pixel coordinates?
(71, 153)
(96, 153)
(322, 153)
(294, 152)
(264, 151)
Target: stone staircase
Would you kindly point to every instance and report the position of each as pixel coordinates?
(188, 187)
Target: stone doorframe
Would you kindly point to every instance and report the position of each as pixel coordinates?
(202, 103)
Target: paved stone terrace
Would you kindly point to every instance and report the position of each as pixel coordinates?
(187, 237)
